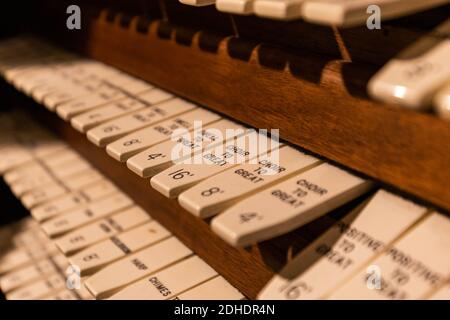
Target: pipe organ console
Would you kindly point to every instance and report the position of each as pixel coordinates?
(225, 149)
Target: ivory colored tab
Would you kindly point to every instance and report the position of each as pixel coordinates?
(64, 294)
(51, 189)
(43, 145)
(442, 293)
(95, 257)
(133, 143)
(45, 86)
(79, 217)
(279, 9)
(48, 64)
(174, 180)
(93, 118)
(128, 83)
(27, 69)
(10, 161)
(14, 259)
(168, 282)
(82, 179)
(22, 257)
(346, 247)
(32, 178)
(38, 196)
(215, 289)
(76, 106)
(69, 168)
(136, 266)
(31, 182)
(71, 91)
(300, 199)
(235, 6)
(23, 171)
(99, 190)
(198, 3)
(91, 82)
(73, 200)
(80, 293)
(154, 96)
(60, 261)
(218, 192)
(41, 85)
(441, 102)
(18, 158)
(49, 147)
(102, 229)
(52, 153)
(347, 13)
(117, 128)
(39, 289)
(26, 275)
(49, 68)
(159, 157)
(58, 206)
(15, 62)
(413, 268)
(29, 238)
(59, 158)
(412, 78)
(12, 147)
(27, 84)
(84, 71)
(51, 100)
(23, 226)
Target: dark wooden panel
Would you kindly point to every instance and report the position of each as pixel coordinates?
(194, 232)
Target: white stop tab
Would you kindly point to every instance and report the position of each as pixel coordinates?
(288, 205)
(344, 248)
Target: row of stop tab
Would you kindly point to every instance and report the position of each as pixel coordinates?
(343, 13)
(86, 238)
(255, 201)
(250, 185)
(222, 168)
